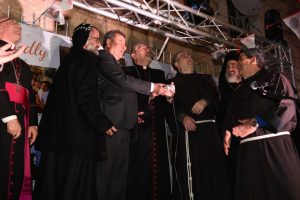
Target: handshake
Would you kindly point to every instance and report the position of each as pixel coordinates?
(163, 89)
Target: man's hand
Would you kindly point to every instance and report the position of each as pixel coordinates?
(199, 106)
(189, 123)
(159, 89)
(14, 128)
(226, 142)
(170, 99)
(32, 133)
(170, 90)
(111, 131)
(140, 120)
(244, 129)
(6, 56)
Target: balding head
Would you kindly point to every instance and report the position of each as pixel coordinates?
(10, 30)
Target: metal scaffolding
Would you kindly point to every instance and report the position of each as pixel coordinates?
(169, 19)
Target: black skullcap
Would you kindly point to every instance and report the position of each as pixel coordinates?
(81, 34)
(232, 55)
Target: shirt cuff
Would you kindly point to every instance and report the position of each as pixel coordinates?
(7, 119)
(152, 87)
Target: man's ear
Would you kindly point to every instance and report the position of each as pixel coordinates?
(176, 65)
(132, 55)
(108, 42)
(253, 60)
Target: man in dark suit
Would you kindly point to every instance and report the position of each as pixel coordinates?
(118, 101)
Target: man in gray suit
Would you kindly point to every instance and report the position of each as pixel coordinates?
(118, 102)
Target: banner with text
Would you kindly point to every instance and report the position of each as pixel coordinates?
(42, 46)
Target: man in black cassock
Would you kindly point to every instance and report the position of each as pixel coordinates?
(199, 165)
(18, 125)
(72, 127)
(118, 101)
(148, 174)
(268, 163)
(229, 82)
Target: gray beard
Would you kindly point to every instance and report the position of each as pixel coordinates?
(233, 78)
(90, 48)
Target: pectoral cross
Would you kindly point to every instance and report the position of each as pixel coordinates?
(17, 86)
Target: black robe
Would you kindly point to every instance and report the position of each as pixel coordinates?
(209, 179)
(72, 131)
(227, 90)
(267, 168)
(12, 151)
(149, 174)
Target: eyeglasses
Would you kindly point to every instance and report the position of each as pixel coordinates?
(98, 39)
(5, 20)
(146, 48)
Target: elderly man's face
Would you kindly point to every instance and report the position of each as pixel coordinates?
(232, 67)
(184, 62)
(232, 71)
(10, 30)
(93, 43)
(117, 46)
(142, 54)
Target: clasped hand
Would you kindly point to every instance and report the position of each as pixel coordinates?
(161, 89)
(14, 129)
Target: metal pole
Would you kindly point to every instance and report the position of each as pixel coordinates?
(280, 57)
(162, 48)
(128, 21)
(292, 67)
(8, 10)
(164, 20)
(67, 27)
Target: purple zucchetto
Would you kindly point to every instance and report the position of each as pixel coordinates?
(81, 34)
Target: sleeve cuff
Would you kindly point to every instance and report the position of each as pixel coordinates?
(261, 122)
(9, 118)
(152, 87)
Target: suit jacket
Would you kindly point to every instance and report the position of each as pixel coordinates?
(72, 121)
(116, 92)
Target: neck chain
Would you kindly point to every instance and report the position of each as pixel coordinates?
(17, 69)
